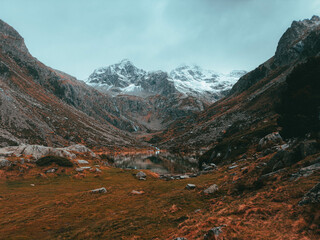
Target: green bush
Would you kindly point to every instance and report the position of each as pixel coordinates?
(48, 160)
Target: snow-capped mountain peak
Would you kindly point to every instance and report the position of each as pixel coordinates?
(202, 83)
(188, 80)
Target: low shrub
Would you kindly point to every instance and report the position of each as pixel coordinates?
(48, 160)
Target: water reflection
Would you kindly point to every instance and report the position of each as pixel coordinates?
(161, 162)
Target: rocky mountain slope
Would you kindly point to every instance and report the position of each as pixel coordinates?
(251, 110)
(41, 105)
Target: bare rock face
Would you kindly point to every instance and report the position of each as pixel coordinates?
(9, 36)
(296, 39)
(300, 41)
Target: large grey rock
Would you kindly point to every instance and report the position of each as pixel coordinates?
(141, 175)
(36, 151)
(190, 186)
(212, 189)
(81, 149)
(99, 190)
(82, 161)
(5, 163)
(270, 139)
(313, 196)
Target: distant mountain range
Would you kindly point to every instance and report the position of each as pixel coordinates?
(193, 81)
(179, 109)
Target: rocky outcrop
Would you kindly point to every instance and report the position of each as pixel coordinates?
(40, 105)
(300, 41)
(313, 196)
(38, 151)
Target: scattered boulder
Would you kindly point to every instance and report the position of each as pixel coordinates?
(51, 170)
(98, 170)
(270, 140)
(213, 233)
(79, 169)
(313, 196)
(82, 161)
(212, 189)
(5, 163)
(81, 149)
(190, 186)
(180, 238)
(135, 192)
(99, 190)
(282, 159)
(184, 176)
(141, 176)
(86, 168)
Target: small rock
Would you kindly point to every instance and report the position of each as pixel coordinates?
(5, 163)
(86, 168)
(213, 233)
(52, 170)
(82, 161)
(232, 167)
(98, 170)
(184, 177)
(135, 192)
(212, 189)
(32, 185)
(190, 186)
(141, 175)
(99, 190)
(180, 238)
(79, 169)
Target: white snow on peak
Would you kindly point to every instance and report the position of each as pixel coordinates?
(124, 77)
(193, 80)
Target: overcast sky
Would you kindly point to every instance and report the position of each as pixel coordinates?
(78, 36)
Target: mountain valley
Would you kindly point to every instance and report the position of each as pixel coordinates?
(186, 154)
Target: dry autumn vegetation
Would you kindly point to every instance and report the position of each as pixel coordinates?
(38, 204)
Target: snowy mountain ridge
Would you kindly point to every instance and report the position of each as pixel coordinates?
(125, 78)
